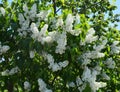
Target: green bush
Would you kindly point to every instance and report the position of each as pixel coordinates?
(59, 46)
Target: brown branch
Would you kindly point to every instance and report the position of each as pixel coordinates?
(10, 86)
(54, 6)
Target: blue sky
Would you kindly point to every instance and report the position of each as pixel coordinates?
(117, 11)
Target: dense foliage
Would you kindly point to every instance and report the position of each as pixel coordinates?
(59, 46)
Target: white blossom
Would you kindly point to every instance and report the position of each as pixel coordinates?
(90, 77)
(77, 19)
(86, 74)
(49, 58)
(116, 42)
(42, 15)
(105, 76)
(25, 24)
(75, 32)
(96, 85)
(81, 88)
(5, 73)
(10, 72)
(98, 68)
(48, 90)
(110, 63)
(34, 30)
(54, 35)
(78, 81)
(100, 46)
(59, 66)
(63, 64)
(69, 24)
(14, 70)
(43, 30)
(18, 58)
(1, 61)
(59, 22)
(89, 37)
(62, 42)
(21, 18)
(25, 8)
(32, 54)
(42, 86)
(114, 48)
(27, 86)
(56, 67)
(71, 84)
(53, 65)
(3, 48)
(47, 39)
(2, 10)
(33, 11)
(86, 61)
(94, 74)
(69, 20)
(42, 34)
(93, 55)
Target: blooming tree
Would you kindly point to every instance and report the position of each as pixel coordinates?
(47, 50)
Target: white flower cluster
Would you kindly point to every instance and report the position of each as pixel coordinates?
(77, 19)
(96, 53)
(55, 66)
(27, 86)
(3, 49)
(114, 48)
(110, 63)
(24, 19)
(88, 76)
(42, 15)
(24, 24)
(91, 55)
(62, 42)
(105, 76)
(89, 37)
(69, 24)
(32, 13)
(102, 45)
(41, 36)
(59, 22)
(42, 86)
(77, 83)
(2, 10)
(35, 31)
(10, 72)
(60, 38)
(32, 54)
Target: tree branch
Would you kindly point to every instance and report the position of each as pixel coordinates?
(54, 6)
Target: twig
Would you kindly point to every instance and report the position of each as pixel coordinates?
(54, 6)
